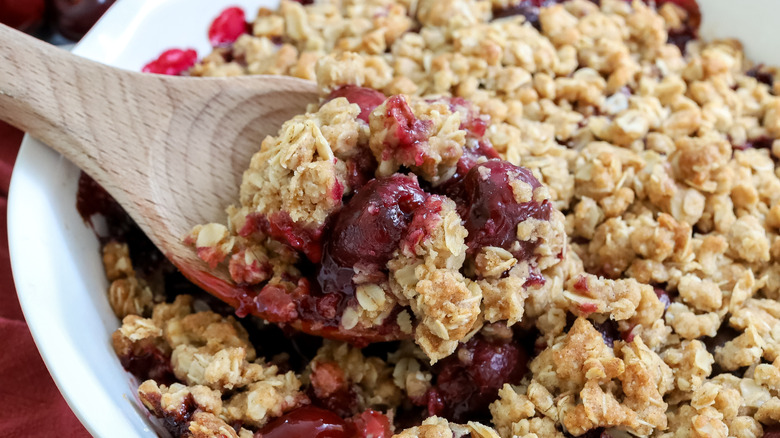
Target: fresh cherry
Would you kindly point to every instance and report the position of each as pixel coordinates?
(227, 27)
(307, 421)
(366, 98)
(172, 62)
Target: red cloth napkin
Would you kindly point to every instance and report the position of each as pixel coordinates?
(30, 404)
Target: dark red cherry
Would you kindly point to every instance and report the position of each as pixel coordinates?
(366, 98)
(75, 17)
(469, 380)
(772, 431)
(493, 213)
(309, 422)
(172, 62)
(368, 229)
(527, 8)
(227, 27)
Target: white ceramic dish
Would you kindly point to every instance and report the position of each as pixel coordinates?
(55, 257)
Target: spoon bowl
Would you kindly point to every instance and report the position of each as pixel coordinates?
(170, 150)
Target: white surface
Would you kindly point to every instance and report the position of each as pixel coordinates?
(753, 22)
(55, 257)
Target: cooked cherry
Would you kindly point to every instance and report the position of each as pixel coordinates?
(150, 363)
(469, 380)
(372, 424)
(366, 98)
(227, 27)
(330, 390)
(172, 62)
(177, 422)
(75, 17)
(281, 226)
(493, 214)
(527, 8)
(690, 29)
(307, 421)
(425, 219)
(761, 75)
(360, 169)
(368, 230)
(25, 15)
(406, 141)
(772, 431)
(609, 331)
(763, 142)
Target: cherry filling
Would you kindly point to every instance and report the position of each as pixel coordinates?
(477, 148)
(527, 8)
(372, 424)
(281, 227)
(150, 363)
(307, 421)
(360, 169)
(366, 98)
(423, 222)
(227, 27)
(408, 134)
(492, 212)
(772, 431)
(367, 231)
(362, 165)
(763, 142)
(330, 390)
(690, 29)
(177, 422)
(610, 332)
(761, 75)
(314, 422)
(469, 380)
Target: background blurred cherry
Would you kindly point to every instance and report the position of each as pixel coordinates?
(73, 18)
(25, 15)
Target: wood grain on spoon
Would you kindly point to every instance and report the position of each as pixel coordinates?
(170, 150)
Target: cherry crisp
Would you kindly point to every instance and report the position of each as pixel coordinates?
(503, 218)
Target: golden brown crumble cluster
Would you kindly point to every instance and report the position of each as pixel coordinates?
(659, 313)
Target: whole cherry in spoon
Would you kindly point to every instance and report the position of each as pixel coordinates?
(170, 150)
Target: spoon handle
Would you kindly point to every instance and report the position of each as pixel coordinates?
(52, 94)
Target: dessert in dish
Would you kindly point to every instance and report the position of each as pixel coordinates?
(560, 219)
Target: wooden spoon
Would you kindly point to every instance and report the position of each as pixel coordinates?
(171, 150)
